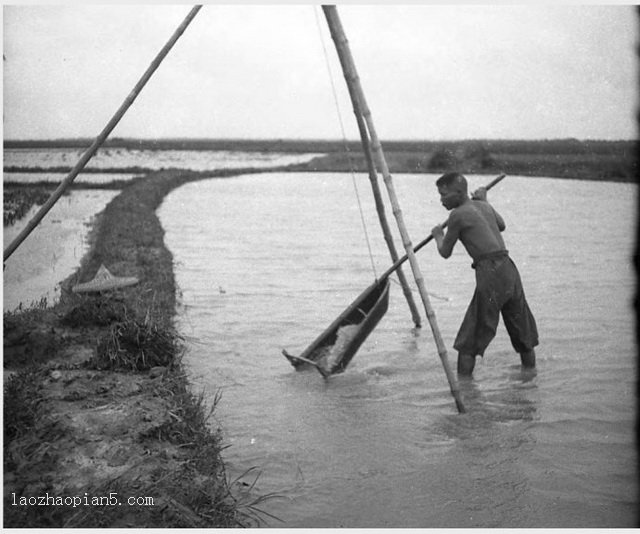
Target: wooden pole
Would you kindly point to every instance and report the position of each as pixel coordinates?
(380, 209)
(386, 231)
(351, 76)
(101, 137)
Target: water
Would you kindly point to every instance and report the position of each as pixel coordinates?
(122, 158)
(53, 250)
(56, 177)
(267, 262)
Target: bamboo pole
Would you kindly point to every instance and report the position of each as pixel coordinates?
(351, 76)
(101, 137)
(386, 231)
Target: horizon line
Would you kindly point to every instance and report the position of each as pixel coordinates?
(311, 139)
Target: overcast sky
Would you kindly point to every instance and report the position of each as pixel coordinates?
(260, 71)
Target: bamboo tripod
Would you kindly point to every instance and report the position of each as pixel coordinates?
(362, 110)
(380, 210)
(90, 152)
(373, 178)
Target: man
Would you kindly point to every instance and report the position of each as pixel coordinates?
(478, 226)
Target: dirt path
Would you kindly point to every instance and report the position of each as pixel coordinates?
(100, 426)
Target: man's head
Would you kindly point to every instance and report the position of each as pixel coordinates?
(453, 189)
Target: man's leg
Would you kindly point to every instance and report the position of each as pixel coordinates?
(480, 322)
(466, 363)
(521, 325)
(528, 359)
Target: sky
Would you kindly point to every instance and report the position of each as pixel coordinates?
(270, 71)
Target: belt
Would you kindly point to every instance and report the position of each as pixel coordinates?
(490, 256)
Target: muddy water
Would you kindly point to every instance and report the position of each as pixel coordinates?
(266, 262)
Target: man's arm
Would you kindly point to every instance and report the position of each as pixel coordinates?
(481, 195)
(446, 242)
(500, 221)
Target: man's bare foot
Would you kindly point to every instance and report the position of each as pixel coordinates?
(466, 363)
(528, 359)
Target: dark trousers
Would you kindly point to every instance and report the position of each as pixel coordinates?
(498, 291)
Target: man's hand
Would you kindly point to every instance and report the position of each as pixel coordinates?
(479, 194)
(438, 234)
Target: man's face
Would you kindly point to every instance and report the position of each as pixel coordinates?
(449, 197)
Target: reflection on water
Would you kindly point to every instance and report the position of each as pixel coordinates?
(266, 262)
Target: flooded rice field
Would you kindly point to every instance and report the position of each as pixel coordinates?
(52, 252)
(266, 262)
(54, 249)
(57, 177)
(121, 158)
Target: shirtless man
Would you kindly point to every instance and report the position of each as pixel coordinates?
(478, 226)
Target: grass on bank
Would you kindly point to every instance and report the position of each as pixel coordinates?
(197, 494)
(131, 336)
(130, 332)
(135, 346)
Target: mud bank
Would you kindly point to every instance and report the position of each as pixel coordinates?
(101, 428)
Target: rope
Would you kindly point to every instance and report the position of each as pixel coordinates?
(344, 140)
